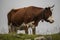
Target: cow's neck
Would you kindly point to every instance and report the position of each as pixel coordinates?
(42, 15)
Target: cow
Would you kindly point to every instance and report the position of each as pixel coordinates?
(29, 17)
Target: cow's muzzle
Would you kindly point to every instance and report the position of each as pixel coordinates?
(50, 19)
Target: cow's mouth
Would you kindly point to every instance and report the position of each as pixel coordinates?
(50, 21)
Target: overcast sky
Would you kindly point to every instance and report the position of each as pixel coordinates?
(43, 27)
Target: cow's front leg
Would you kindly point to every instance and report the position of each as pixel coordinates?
(12, 29)
(26, 29)
(9, 27)
(33, 29)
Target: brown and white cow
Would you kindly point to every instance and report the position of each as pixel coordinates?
(29, 17)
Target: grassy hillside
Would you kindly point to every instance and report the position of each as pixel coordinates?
(25, 36)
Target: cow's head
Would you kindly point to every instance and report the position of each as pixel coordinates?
(47, 14)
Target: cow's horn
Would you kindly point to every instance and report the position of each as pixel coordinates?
(52, 6)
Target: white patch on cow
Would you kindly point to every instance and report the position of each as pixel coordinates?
(33, 26)
(27, 25)
(30, 24)
(9, 26)
(22, 25)
(50, 19)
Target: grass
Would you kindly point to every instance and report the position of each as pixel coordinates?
(55, 37)
(25, 36)
(16, 36)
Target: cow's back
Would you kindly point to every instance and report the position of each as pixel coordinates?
(34, 10)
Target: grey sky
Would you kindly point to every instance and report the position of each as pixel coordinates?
(7, 5)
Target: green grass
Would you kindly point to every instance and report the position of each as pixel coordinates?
(56, 36)
(25, 36)
(16, 36)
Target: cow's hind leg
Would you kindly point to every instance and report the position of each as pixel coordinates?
(14, 29)
(9, 27)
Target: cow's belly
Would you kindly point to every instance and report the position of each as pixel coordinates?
(30, 24)
(24, 25)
